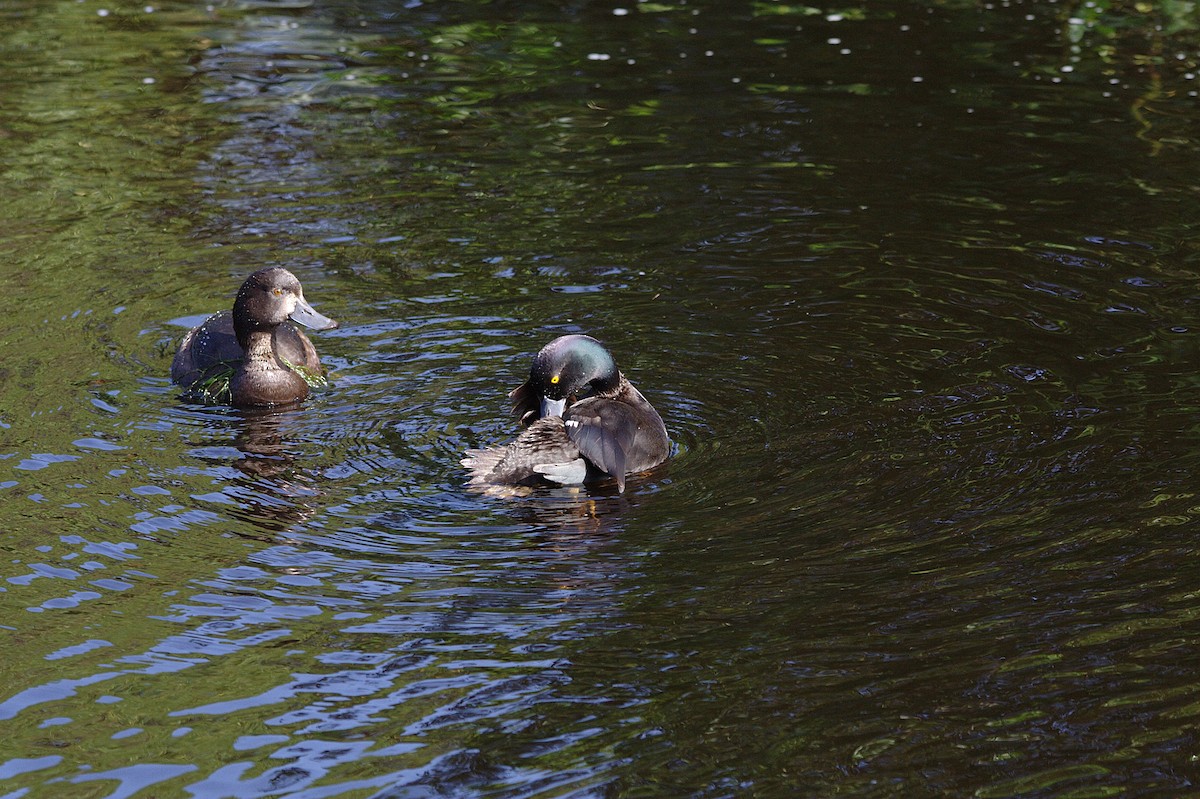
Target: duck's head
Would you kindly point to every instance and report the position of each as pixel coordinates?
(569, 369)
(268, 298)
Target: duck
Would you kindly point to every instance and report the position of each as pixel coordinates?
(252, 356)
(584, 422)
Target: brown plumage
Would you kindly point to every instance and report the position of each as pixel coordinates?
(585, 422)
(264, 358)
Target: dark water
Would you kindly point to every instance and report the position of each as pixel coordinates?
(913, 284)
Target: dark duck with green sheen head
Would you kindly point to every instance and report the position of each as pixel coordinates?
(584, 422)
(253, 356)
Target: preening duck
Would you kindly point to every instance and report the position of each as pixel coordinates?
(584, 422)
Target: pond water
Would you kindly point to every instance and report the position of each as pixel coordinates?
(913, 285)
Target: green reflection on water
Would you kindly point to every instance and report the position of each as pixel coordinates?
(865, 376)
(102, 139)
(101, 131)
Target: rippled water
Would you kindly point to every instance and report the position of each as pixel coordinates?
(912, 284)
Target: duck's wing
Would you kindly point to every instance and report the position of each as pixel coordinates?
(294, 347)
(542, 450)
(604, 431)
(651, 445)
(211, 345)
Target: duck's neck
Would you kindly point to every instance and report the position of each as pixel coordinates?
(260, 349)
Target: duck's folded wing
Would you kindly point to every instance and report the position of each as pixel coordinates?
(295, 348)
(212, 345)
(604, 433)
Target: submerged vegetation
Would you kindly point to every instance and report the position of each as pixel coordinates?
(213, 387)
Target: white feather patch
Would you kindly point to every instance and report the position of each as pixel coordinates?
(568, 473)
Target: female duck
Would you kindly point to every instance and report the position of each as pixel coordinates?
(584, 421)
(252, 356)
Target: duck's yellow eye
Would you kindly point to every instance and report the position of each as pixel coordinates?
(278, 292)
(554, 380)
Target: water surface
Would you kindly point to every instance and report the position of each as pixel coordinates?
(912, 285)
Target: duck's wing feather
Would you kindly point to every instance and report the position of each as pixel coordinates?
(538, 451)
(604, 431)
(295, 348)
(651, 445)
(211, 345)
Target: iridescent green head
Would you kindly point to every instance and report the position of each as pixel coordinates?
(571, 368)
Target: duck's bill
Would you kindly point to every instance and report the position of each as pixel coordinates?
(308, 316)
(553, 407)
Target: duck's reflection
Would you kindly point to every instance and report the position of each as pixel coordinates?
(275, 494)
(591, 512)
(261, 441)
